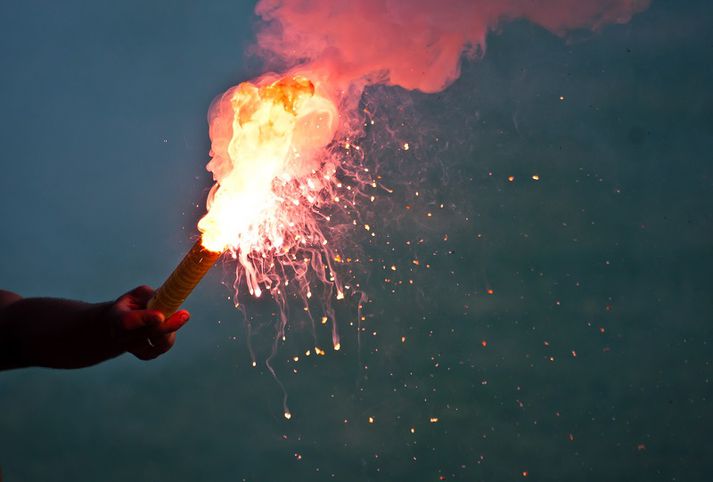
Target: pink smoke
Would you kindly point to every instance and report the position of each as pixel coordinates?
(415, 44)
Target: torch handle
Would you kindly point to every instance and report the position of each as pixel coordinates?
(174, 291)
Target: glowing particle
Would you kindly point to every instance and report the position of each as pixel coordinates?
(403, 339)
(413, 429)
(535, 177)
(308, 353)
(406, 147)
(433, 419)
(371, 419)
(511, 178)
(561, 97)
(393, 267)
(340, 295)
(484, 343)
(337, 346)
(574, 354)
(367, 227)
(524, 473)
(296, 358)
(254, 364)
(490, 291)
(416, 262)
(288, 415)
(319, 351)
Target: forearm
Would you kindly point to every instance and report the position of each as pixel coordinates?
(55, 333)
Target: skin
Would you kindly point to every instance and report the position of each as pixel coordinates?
(56, 333)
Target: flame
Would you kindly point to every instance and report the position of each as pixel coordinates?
(272, 175)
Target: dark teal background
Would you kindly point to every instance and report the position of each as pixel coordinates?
(608, 256)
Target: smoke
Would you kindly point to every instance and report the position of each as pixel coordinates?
(415, 44)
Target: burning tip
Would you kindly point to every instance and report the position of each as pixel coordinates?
(340, 295)
(337, 346)
(254, 364)
(288, 415)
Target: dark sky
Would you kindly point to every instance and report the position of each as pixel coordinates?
(597, 358)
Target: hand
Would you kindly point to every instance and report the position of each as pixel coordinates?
(144, 333)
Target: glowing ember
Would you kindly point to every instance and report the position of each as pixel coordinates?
(272, 176)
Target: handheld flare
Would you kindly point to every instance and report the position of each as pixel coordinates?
(174, 291)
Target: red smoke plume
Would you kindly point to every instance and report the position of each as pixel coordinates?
(415, 44)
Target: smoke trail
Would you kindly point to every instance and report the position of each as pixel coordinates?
(415, 44)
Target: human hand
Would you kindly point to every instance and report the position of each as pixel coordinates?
(144, 333)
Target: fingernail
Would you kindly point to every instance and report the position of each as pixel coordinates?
(184, 317)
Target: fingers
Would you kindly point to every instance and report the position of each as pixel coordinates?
(174, 322)
(145, 320)
(157, 339)
(145, 333)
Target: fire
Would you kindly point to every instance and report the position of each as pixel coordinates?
(272, 177)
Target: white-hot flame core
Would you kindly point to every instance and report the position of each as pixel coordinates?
(271, 176)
